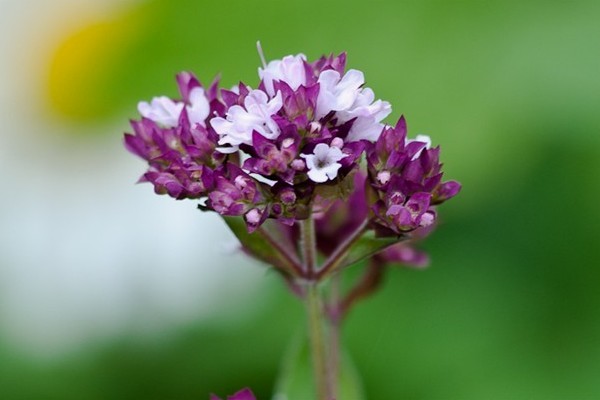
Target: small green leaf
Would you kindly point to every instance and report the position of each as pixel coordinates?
(257, 243)
(296, 381)
(369, 245)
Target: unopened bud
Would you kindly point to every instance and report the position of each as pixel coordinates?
(288, 196)
(276, 209)
(337, 142)
(383, 177)
(288, 142)
(298, 165)
(240, 182)
(314, 127)
(253, 216)
(427, 219)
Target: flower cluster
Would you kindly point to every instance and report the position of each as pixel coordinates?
(406, 180)
(286, 147)
(176, 140)
(307, 148)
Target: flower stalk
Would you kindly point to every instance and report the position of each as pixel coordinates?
(318, 343)
(334, 337)
(293, 265)
(309, 246)
(315, 311)
(340, 253)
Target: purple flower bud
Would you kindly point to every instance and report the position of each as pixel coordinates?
(336, 63)
(337, 142)
(287, 196)
(255, 218)
(298, 165)
(446, 191)
(274, 156)
(406, 179)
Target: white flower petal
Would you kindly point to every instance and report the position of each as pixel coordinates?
(332, 170)
(275, 104)
(317, 175)
(328, 79)
(220, 125)
(335, 154)
(323, 163)
(348, 89)
(255, 116)
(199, 107)
(289, 70)
(321, 151)
(161, 110)
(310, 160)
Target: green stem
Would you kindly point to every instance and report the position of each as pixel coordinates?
(336, 258)
(334, 337)
(316, 330)
(315, 311)
(293, 266)
(309, 246)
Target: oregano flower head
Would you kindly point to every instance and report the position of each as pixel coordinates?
(288, 145)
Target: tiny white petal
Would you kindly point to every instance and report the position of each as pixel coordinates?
(323, 163)
(383, 177)
(262, 179)
(256, 115)
(337, 93)
(162, 110)
(427, 219)
(332, 169)
(321, 151)
(288, 142)
(227, 150)
(317, 175)
(289, 70)
(253, 216)
(349, 100)
(199, 107)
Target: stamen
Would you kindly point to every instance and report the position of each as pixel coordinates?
(261, 54)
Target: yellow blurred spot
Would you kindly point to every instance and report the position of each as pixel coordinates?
(84, 63)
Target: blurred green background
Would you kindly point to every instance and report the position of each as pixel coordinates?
(510, 307)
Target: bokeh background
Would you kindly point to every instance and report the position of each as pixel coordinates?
(110, 292)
